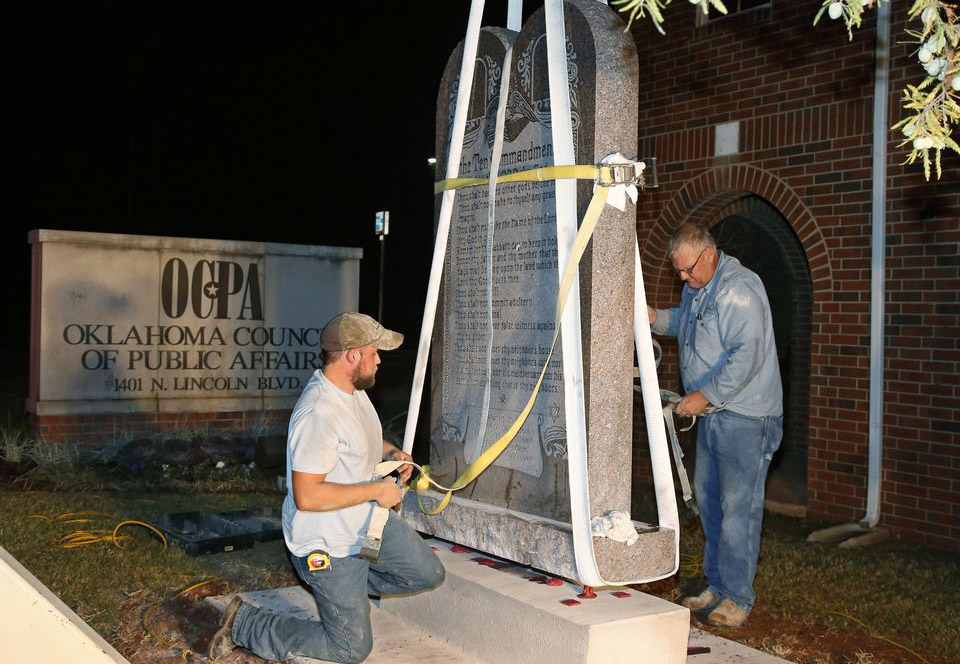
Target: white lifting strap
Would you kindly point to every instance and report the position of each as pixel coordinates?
(656, 433)
(470, 43)
(566, 198)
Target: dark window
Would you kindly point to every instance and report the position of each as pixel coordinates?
(733, 7)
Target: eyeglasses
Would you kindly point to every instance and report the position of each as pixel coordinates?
(689, 270)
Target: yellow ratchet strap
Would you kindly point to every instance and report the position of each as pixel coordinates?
(603, 174)
(584, 234)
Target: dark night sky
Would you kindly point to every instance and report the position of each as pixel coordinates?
(280, 122)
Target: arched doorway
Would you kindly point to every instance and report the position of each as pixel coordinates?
(759, 236)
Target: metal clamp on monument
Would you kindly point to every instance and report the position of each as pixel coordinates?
(513, 276)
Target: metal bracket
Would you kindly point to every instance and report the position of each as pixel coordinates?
(612, 175)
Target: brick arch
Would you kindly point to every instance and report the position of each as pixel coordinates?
(788, 478)
(763, 212)
(706, 197)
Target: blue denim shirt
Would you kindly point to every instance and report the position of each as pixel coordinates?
(725, 335)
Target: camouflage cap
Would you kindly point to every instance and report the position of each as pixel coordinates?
(353, 330)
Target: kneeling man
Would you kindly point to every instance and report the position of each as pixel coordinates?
(333, 444)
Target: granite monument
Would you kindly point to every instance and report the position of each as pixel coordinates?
(495, 319)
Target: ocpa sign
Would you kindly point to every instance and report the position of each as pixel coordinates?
(127, 322)
(211, 288)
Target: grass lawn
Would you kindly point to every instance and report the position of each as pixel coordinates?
(95, 579)
(817, 604)
(820, 603)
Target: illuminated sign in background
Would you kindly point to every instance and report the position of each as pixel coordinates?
(126, 323)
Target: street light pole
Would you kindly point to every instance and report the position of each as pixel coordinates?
(382, 228)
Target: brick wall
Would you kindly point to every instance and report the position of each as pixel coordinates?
(803, 97)
(96, 429)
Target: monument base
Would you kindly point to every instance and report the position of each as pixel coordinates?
(500, 612)
(543, 543)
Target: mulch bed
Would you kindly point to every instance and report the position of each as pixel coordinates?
(812, 642)
(154, 630)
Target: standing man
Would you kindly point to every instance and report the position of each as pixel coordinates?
(334, 441)
(728, 360)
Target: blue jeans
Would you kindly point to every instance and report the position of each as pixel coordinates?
(733, 455)
(407, 565)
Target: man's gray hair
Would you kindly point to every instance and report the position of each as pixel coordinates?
(695, 236)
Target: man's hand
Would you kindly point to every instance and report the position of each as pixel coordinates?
(651, 314)
(692, 405)
(393, 453)
(388, 493)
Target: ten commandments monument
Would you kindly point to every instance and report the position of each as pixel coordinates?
(496, 308)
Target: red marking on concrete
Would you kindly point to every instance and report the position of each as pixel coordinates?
(587, 593)
(433, 548)
(456, 548)
(621, 593)
(486, 562)
(570, 602)
(553, 582)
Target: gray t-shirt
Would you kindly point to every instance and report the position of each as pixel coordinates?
(337, 434)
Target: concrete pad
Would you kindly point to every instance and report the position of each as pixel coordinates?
(872, 536)
(495, 610)
(725, 651)
(836, 534)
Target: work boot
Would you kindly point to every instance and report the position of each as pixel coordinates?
(704, 600)
(222, 640)
(726, 614)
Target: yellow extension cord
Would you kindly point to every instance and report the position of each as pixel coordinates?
(87, 537)
(879, 636)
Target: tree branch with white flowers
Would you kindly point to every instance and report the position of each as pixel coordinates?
(642, 8)
(933, 111)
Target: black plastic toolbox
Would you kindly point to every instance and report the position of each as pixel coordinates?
(200, 532)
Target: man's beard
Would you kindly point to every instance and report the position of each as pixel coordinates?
(363, 382)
